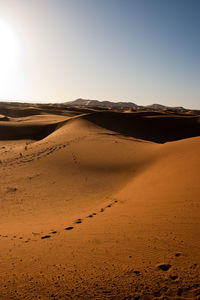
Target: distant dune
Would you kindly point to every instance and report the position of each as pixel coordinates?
(99, 203)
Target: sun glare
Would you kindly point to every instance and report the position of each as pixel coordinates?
(9, 49)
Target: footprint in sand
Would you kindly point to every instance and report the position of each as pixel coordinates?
(78, 221)
(35, 233)
(164, 267)
(173, 277)
(69, 228)
(45, 237)
(11, 189)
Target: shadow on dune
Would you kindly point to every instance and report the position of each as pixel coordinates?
(150, 126)
(18, 112)
(34, 132)
(21, 110)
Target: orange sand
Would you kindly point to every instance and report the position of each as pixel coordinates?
(92, 206)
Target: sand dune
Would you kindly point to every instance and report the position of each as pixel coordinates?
(153, 126)
(99, 205)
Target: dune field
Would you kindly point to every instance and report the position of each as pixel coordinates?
(99, 204)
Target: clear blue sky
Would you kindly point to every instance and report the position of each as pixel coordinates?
(145, 51)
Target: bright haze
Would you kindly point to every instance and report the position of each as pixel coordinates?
(119, 50)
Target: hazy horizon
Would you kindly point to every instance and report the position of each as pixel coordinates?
(137, 51)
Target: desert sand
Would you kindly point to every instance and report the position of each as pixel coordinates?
(99, 204)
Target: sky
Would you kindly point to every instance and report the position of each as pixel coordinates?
(143, 51)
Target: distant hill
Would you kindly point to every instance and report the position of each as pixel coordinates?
(120, 105)
(97, 103)
(160, 107)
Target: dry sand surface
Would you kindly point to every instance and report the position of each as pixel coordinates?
(99, 204)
